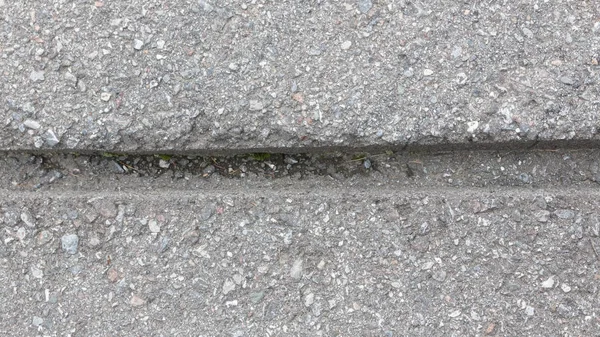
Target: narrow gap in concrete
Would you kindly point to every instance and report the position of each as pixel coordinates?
(537, 168)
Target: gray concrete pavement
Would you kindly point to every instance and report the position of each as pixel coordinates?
(443, 244)
(207, 75)
(299, 262)
(104, 231)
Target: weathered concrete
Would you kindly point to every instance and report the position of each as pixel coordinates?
(226, 75)
(501, 243)
(441, 262)
(455, 244)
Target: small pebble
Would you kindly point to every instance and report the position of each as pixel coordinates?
(37, 321)
(257, 296)
(565, 213)
(457, 51)
(255, 105)
(290, 160)
(542, 216)
(565, 287)
(210, 169)
(568, 38)
(527, 32)
(567, 80)
(21, 233)
(112, 275)
(364, 6)
(309, 299)
(30, 123)
(346, 45)
(105, 96)
(69, 77)
(472, 126)
(549, 283)
(164, 163)
(153, 226)
(44, 237)
(439, 276)
(116, 167)
(27, 218)
(228, 286)
(454, 313)
(524, 177)
(238, 279)
(36, 272)
(50, 138)
(427, 265)
(138, 44)
(427, 72)
(321, 265)
(136, 301)
(69, 243)
(529, 311)
(37, 76)
(296, 271)
(596, 28)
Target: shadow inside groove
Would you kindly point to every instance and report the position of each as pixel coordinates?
(413, 148)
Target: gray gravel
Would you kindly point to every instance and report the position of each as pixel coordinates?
(152, 76)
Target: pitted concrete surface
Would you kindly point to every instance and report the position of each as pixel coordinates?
(118, 219)
(449, 244)
(224, 75)
(301, 263)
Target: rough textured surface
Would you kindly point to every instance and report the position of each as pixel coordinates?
(452, 244)
(502, 243)
(185, 75)
(283, 263)
(535, 169)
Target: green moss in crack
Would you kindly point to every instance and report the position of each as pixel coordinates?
(109, 155)
(164, 157)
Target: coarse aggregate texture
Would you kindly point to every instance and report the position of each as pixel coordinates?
(444, 244)
(280, 168)
(225, 263)
(295, 75)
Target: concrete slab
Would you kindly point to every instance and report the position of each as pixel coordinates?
(226, 75)
(300, 262)
(470, 243)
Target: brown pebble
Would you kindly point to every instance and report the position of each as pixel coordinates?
(113, 275)
(137, 301)
(490, 328)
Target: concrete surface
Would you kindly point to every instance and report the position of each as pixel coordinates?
(209, 75)
(444, 244)
(302, 263)
(118, 219)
